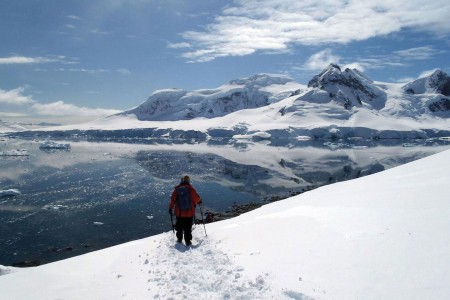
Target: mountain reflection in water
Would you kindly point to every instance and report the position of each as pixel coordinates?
(100, 194)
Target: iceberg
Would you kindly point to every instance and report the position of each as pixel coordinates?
(49, 145)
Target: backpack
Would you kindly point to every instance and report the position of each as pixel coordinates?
(184, 198)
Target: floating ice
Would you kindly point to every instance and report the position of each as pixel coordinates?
(10, 192)
(53, 145)
(55, 207)
(17, 152)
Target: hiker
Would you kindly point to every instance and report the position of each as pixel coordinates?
(184, 198)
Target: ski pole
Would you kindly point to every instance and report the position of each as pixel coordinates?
(171, 222)
(203, 221)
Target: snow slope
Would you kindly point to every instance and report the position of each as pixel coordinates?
(175, 104)
(383, 236)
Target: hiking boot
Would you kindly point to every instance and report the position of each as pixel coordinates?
(179, 241)
(188, 243)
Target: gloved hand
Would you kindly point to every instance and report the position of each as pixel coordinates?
(170, 211)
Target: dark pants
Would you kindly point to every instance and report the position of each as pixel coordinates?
(184, 226)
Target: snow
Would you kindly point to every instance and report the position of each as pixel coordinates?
(383, 236)
(14, 152)
(7, 270)
(10, 192)
(48, 145)
(175, 104)
(437, 82)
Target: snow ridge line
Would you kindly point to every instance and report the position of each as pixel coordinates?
(174, 274)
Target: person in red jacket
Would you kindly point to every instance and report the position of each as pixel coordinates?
(183, 200)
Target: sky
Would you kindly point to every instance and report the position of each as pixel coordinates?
(73, 61)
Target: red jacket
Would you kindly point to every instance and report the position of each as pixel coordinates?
(195, 199)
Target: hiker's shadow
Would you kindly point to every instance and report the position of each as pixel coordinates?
(183, 248)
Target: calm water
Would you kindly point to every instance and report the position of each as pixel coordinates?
(101, 194)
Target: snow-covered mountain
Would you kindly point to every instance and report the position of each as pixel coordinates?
(437, 86)
(336, 104)
(175, 104)
(351, 89)
(436, 83)
(348, 88)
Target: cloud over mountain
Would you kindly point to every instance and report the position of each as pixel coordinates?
(275, 26)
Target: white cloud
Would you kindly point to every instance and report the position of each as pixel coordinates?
(25, 60)
(355, 65)
(427, 73)
(179, 45)
(12, 115)
(74, 17)
(418, 53)
(321, 59)
(60, 108)
(248, 26)
(395, 59)
(123, 71)
(15, 97)
(100, 32)
(404, 79)
(26, 107)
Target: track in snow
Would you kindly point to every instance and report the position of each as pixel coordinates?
(200, 271)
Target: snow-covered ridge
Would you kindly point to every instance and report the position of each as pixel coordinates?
(334, 94)
(438, 83)
(350, 89)
(174, 104)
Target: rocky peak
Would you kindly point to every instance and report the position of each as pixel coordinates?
(349, 87)
(330, 74)
(440, 82)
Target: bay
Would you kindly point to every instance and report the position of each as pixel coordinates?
(100, 194)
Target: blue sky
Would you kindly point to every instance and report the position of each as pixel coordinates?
(76, 60)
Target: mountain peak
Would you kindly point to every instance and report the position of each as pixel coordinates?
(332, 73)
(334, 66)
(438, 82)
(348, 87)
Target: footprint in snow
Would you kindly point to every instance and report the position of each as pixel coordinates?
(201, 271)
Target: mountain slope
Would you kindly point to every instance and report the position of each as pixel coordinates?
(256, 91)
(383, 236)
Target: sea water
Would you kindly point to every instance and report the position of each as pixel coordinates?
(99, 194)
